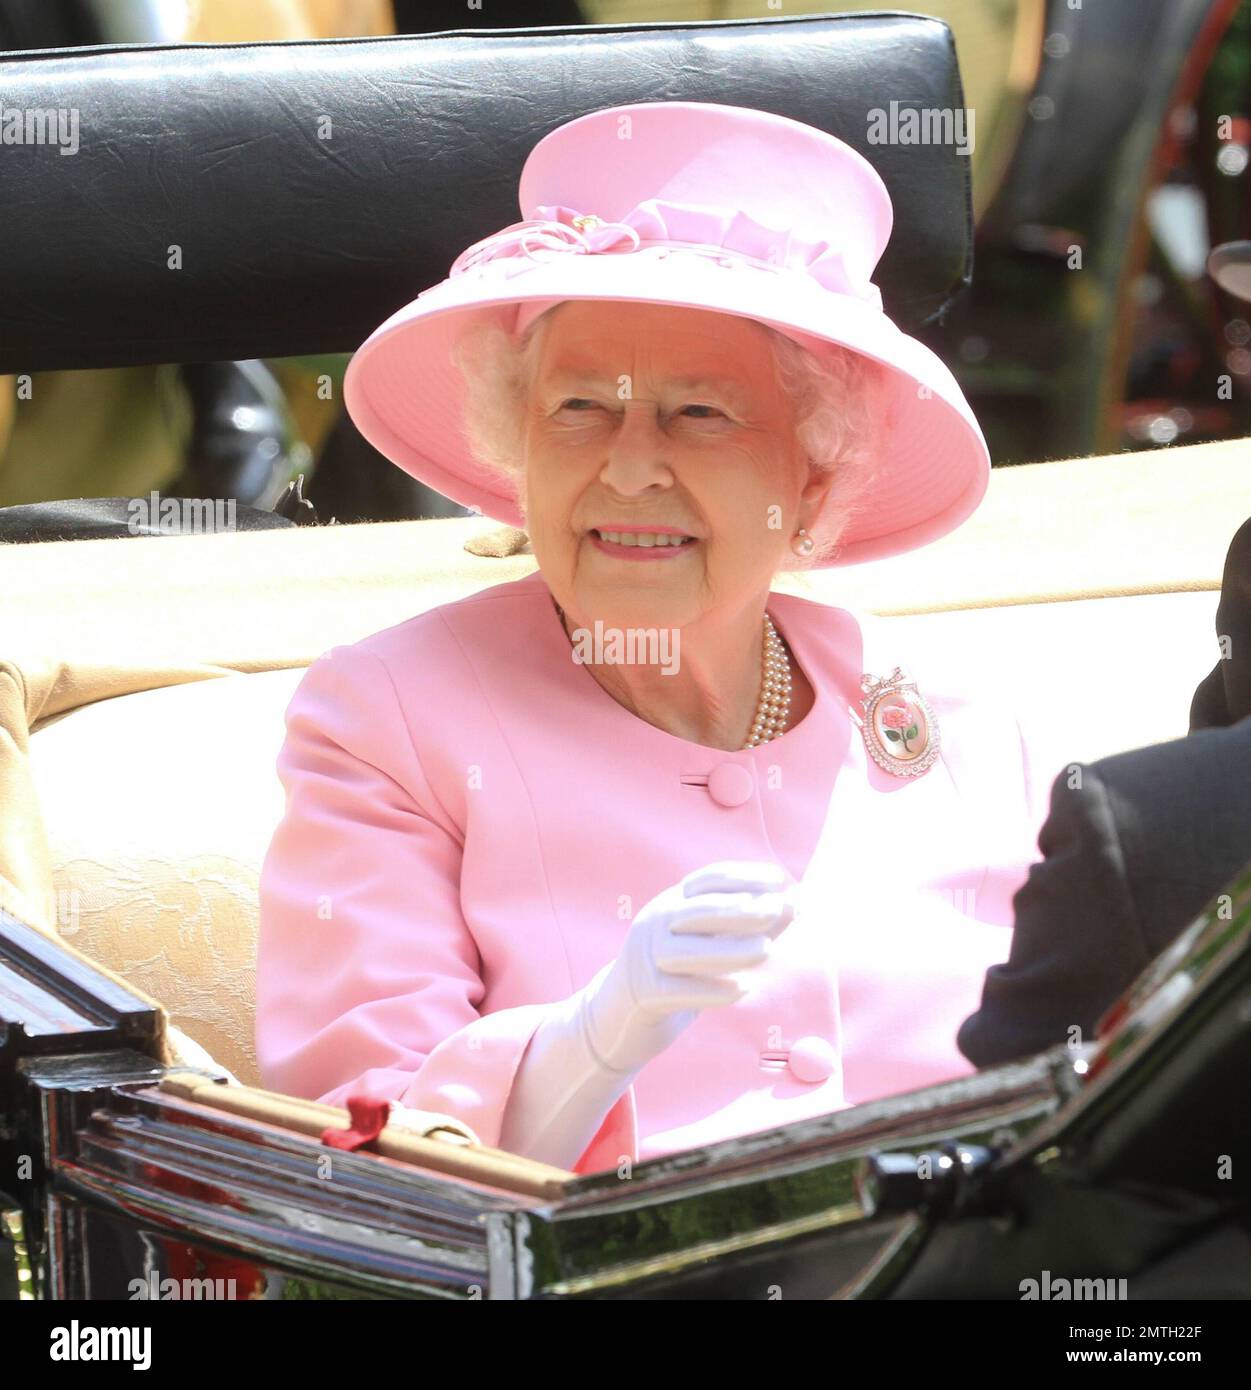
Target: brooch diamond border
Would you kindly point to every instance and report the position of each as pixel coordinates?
(876, 691)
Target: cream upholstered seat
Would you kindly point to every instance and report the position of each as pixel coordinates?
(143, 683)
(156, 853)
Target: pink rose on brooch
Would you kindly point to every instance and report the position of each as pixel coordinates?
(900, 724)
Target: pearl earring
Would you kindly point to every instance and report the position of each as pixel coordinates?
(802, 543)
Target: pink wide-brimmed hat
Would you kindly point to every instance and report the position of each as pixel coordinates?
(702, 206)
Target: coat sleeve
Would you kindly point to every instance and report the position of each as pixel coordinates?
(368, 977)
(1077, 942)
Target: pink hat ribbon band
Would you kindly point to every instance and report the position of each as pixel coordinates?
(678, 227)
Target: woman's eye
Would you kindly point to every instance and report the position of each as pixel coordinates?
(582, 405)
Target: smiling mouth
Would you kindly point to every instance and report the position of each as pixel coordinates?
(644, 539)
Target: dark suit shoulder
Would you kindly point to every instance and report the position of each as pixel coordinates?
(1182, 812)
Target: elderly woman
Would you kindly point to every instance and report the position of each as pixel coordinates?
(635, 854)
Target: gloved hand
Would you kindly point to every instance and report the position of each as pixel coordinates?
(681, 947)
(717, 920)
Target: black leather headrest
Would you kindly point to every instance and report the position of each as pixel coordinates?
(104, 518)
(310, 189)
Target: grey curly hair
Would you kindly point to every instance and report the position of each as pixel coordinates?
(837, 401)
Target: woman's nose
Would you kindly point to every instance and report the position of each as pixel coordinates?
(637, 455)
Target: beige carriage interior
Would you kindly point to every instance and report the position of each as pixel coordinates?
(143, 683)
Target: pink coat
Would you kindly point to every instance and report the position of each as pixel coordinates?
(472, 822)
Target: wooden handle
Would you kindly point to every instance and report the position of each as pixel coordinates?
(450, 1151)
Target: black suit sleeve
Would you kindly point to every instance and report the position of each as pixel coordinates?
(1078, 942)
(1224, 696)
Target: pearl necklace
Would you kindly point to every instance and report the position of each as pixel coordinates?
(773, 709)
(774, 706)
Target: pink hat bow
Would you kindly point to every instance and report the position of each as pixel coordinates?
(686, 228)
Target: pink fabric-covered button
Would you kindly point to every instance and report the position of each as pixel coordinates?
(812, 1059)
(730, 784)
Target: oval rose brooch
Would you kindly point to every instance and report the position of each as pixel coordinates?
(899, 727)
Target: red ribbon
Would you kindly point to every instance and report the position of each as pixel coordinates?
(367, 1118)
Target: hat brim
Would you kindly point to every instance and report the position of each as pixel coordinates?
(405, 395)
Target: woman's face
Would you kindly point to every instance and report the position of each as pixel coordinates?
(644, 415)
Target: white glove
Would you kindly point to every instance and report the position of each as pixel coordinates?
(681, 948)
